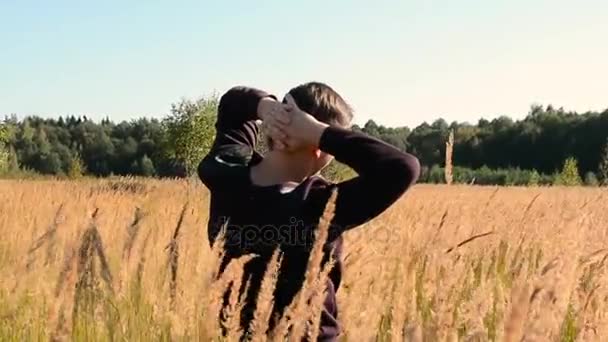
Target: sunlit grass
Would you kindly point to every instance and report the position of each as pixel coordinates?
(445, 263)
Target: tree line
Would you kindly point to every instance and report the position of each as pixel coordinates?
(499, 151)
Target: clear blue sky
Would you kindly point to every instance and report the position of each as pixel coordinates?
(398, 62)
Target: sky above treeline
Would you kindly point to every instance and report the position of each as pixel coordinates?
(397, 62)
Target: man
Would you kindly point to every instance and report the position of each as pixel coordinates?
(276, 200)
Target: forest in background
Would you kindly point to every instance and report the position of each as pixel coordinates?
(535, 150)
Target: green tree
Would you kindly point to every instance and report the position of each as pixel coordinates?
(13, 161)
(51, 164)
(146, 167)
(98, 151)
(569, 175)
(541, 141)
(534, 179)
(190, 131)
(77, 168)
(603, 168)
(4, 151)
(337, 172)
(436, 175)
(591, 179)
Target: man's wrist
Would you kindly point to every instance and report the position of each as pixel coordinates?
(317, 133)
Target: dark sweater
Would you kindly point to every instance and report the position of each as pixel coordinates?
(258, 219)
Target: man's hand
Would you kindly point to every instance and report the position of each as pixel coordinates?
(299, 130)
(303, 126)
(274, 115)
(269, 107)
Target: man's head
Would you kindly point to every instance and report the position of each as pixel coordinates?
(326, 105)
(323, 103)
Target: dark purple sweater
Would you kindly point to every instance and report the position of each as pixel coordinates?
(259, 219)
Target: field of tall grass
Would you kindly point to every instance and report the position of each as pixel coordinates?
(109, 260)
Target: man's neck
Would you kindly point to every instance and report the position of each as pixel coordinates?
(281, 168)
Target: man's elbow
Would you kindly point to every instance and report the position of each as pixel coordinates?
(204, 172)
(413, 167)
(405, 172)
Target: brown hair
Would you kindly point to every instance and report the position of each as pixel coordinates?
(324, 103)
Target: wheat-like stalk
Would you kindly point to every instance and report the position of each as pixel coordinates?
(132, 232)
(449, 150)
(63, 293)
(540, 275)
(139, 271)
(216, 319)
(298, 307)
(88, 294)
(264, 303)
(317, 298)
(173, 261)
(231, 312)
(48, 237)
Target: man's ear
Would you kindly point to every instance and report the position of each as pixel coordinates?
(317, 153)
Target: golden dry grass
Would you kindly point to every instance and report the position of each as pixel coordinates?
(129, 260)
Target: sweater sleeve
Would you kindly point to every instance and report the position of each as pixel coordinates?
(236, 136)
(384, 174)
